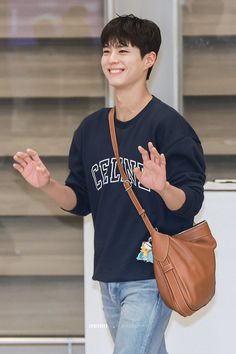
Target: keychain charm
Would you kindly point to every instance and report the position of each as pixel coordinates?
(145, 253)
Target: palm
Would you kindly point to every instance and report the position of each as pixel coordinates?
(33, 176)
(153, 175)
(31, 168)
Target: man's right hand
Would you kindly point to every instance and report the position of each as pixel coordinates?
(32, 168)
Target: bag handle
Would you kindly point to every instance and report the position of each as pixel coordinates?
(125, 180)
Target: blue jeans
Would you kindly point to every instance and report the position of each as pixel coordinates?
(136, 316)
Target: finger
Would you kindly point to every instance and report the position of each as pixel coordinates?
(155, 156)
(163, 160)
(20, 160)
(23, 156)
(137, 172)
(34, 155)
(144, 153)
(152, 149)
(18, 167)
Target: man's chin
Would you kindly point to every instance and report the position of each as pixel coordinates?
(116, 85)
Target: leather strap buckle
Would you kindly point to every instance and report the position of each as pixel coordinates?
(129, 184)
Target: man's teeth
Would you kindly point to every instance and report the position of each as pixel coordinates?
(116, 70)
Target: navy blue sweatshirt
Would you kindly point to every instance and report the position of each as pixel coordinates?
(95, 178)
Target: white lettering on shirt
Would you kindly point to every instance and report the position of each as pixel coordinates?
(106, 171)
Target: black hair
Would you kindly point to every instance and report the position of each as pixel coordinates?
(140, 33)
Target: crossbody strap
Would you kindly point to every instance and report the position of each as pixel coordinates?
(127, 184)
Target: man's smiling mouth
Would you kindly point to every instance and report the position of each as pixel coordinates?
(115, 71)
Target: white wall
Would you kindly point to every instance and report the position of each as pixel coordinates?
(212, 329)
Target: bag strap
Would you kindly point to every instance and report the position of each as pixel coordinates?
(127, 184)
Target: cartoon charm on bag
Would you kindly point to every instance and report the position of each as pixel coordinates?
(145, 253)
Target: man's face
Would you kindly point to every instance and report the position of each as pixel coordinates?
(123, 65)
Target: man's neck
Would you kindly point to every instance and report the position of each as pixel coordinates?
(129, 104)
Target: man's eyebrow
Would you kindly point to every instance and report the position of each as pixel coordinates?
(118, 45)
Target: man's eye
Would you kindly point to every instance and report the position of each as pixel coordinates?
(105, 51)
(123, 51)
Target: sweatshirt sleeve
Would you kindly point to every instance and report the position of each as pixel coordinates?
(76, 178)
(186, 170)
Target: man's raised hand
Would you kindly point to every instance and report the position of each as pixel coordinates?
(153, 175)
(32, 168)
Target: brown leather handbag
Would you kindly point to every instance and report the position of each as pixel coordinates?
(184, 264)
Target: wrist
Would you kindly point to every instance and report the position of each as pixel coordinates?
(167, 186)
(47, 184)
(165, 189)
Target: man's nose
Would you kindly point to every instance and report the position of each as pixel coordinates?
(113, 58)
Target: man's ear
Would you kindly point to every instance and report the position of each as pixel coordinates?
(150, 59)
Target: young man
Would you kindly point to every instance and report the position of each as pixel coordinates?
(163, 158)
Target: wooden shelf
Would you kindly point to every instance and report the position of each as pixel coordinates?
(209, 79)
(209, 18)
(41, 246)
(19, 198)
(41, 306)
(37, 19)
(51, 69)
(209, 67)
(222, 167)
(205, 114)
(46, 125)
(219, 145)
(49, 146)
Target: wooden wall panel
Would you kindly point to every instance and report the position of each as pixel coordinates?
(209, 67)
(50, 69)
(213, 118)
(41, 306)
(46, 125)
(49, 146)
(209, 18)
(50, 78)
(222, 167)
(19, 198)
(50, 19)
(45, 246)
